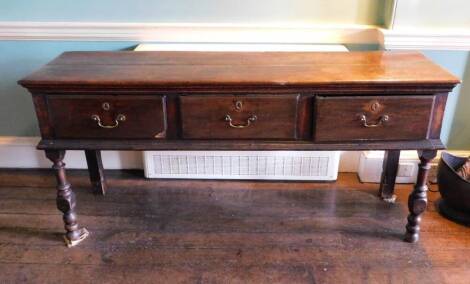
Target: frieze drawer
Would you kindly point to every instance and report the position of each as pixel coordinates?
(372, 118)
(123, 116)
(239, 117)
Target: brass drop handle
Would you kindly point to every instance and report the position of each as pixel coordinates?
(382, 120)
(119, 117)
(251, 119)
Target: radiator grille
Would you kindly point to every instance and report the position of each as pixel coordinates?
(242, 165)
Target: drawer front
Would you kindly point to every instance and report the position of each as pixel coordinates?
(107, 116)
(372, 118)
(239, 117)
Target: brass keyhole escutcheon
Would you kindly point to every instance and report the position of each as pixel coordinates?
(106, 106)
(238, 105)
(375, 106)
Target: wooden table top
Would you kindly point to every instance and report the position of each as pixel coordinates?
(269, 69)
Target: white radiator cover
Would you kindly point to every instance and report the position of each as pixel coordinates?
(270, 165)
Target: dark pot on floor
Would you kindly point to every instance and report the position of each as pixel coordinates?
(455, 190)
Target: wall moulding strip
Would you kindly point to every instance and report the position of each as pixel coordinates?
(424, 39)
(188, 32)
(237, 33)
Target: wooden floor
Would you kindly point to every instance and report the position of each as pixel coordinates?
(233, 232)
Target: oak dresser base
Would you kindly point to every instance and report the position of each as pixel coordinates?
(375, 100)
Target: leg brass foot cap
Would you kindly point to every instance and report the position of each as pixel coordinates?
(390, 199)
(411, 238)
(83, 235)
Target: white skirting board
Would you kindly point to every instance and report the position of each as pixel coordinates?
(370, 166)
(21, 152)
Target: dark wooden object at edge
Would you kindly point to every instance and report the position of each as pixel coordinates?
(96, 101)
(96, 171)
(389, 175)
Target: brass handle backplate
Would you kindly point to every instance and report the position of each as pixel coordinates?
(251, 119)
(119, 117)
(382, 120)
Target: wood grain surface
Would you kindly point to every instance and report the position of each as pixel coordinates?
(125, 69)
(164, 231)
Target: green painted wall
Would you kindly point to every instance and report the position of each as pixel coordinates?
(433, 14)
(455, 134)
(200, 11)
(18, 59)
(388, 13)
(460, 134)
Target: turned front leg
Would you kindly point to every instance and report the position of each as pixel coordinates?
(66, 200)
(417, 201)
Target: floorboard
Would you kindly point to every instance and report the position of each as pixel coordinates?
(174, 231)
